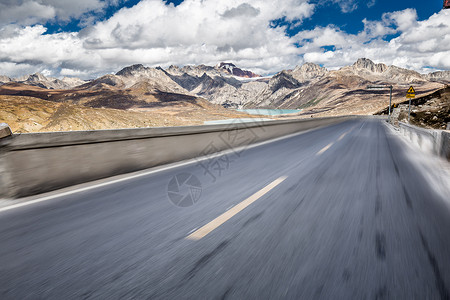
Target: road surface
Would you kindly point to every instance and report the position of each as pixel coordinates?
(334, 213)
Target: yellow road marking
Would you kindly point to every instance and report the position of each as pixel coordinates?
(342, 136)
(203, 231)
(324, 149)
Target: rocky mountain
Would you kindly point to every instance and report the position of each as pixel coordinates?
(223, 84)
(309, 87)
(40, 80)
(4, 79)
(443, 76)
(318, 91)
(373, 72)
(233, 70)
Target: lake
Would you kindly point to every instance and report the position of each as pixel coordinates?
(269, 112)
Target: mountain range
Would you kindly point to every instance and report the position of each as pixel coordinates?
(310, 87)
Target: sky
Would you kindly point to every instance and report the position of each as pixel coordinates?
(89, 38)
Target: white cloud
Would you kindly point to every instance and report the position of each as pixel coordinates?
(29, 12)
(419, 44)
(346, 5)
(154, 33)
(210, 31)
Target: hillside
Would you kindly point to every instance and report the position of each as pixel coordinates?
(430, 111)
(328, 93)
(31, 114)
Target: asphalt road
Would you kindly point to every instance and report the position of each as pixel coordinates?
(335, 213)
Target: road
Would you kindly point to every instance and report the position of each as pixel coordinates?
(335, 213)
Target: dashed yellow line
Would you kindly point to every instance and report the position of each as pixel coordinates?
(324, 149)
(206, 229)
(342, 136)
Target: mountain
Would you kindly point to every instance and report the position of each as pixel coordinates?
(40, 80)
(223, 84)
(4, 79)
(156, 79)
(321, 92)
(443, 76)
(310, 87)
(373, 72)
(233, 70)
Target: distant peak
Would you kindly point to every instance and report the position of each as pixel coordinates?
(37, 77)
(365, 63)
(363, 60)
(308, 67)
(226, 64)
(127, 71)
(231, 69)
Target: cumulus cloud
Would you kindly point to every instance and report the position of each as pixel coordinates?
(347, 5)
(154, 33)
(209, 31)
(418, 44)
(243, 10)
(28, 12)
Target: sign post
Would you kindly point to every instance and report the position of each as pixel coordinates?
(410, 94)
(381, 87)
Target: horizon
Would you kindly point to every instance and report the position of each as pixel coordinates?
(228, 62)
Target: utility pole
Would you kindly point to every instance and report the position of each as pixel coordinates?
(409, 110)
(390, 101)
(411, 93)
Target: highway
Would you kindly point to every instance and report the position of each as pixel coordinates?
(338, 212)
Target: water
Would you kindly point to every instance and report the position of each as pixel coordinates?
(235, 121)
(269, 112)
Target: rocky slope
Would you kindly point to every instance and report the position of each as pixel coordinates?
(318, 91)
(231, 69)
(34, 114)
(40, 80)
(431, 110)
(312, 88)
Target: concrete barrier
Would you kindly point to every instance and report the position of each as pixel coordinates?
(445, 145)
(5, 131)
(436, 142)
(39, 162)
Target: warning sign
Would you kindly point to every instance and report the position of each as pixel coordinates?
(411, 93)
(411, 90)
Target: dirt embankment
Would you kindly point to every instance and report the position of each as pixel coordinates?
(430, 111)
(30, 114)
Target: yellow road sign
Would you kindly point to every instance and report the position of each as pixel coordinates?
(411, 93)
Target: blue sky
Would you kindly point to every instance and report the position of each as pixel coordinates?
(327, 12)
(86, 38)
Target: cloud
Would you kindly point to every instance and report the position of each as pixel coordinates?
(25, 13)
(243, 10)
(154, 33)
(371, 3)
(29, 12)
(346, 5)
(419, 44)
(210, 31)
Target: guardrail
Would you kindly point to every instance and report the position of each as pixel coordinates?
(435, 142)
(34, 163)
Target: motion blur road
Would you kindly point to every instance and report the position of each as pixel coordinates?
(335, 213)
